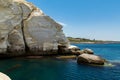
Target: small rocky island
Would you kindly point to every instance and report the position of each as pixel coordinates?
(26, 31)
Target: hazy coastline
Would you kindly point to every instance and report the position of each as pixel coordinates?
(89, 41)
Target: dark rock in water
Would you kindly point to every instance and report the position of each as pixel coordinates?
(69, 50)
(90, 59)
(76, 51)
(62, 49)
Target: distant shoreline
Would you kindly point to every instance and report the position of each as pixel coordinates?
(95, 42)
(88, 41)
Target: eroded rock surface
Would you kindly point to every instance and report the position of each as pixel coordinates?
(90, 59)
(24, 27)
(88, 51)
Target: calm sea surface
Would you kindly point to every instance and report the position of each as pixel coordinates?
(52, 69)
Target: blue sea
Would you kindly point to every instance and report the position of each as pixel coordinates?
(55, 69)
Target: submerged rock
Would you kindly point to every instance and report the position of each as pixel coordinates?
(66, 57)
(25, 28)
(90, 59)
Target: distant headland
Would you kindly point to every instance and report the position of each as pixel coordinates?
(89, 41)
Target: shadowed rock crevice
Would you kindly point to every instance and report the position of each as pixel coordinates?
(22, 28)
(26, 47)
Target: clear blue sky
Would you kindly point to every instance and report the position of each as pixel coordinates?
(94, 19)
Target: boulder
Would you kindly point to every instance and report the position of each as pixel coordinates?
(4, 76)
(90, 59)
(88, 51)
(74, 50)
(62, 49)
(72, 47)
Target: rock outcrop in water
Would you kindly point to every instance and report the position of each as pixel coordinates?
(90, 59)
(25, 28)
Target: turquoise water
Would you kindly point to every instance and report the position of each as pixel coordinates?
(53, 69)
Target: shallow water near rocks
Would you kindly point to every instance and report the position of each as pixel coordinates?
(57, 69)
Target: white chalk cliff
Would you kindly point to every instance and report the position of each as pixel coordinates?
(24, 27)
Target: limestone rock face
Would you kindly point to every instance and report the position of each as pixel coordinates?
(10, 18)
(22, 25)
(16, 42)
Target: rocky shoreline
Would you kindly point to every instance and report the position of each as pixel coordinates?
(89, 41)
(85, 56)
(25, 31)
